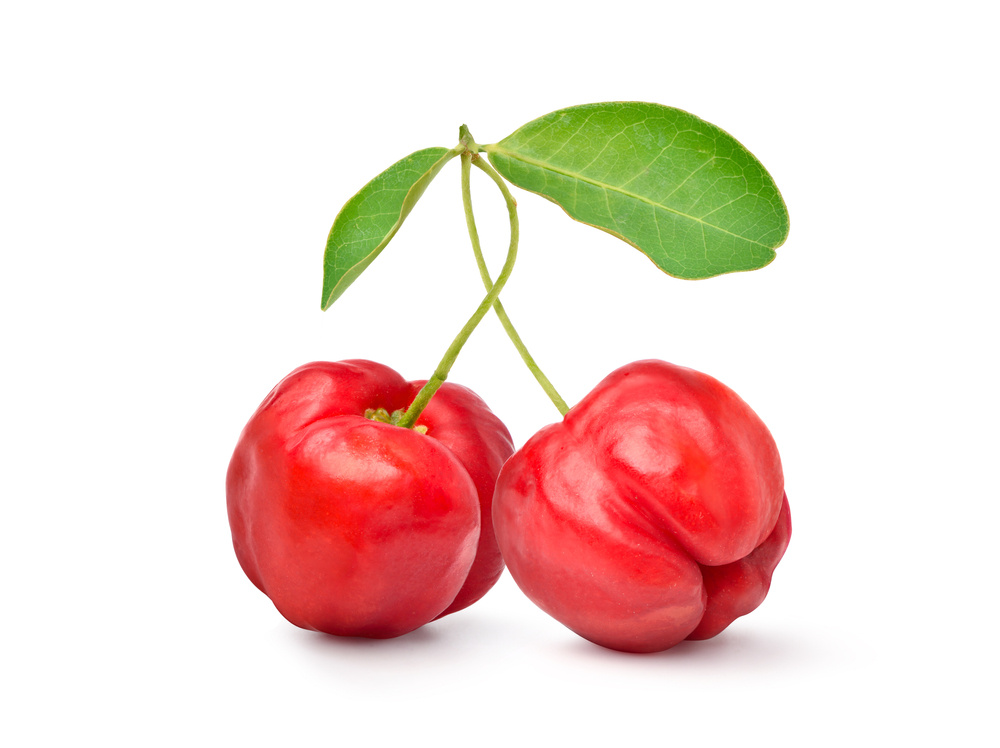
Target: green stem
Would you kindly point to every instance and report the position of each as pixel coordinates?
(467, 160)
(409, 418)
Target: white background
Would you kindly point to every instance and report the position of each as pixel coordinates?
(169, 174)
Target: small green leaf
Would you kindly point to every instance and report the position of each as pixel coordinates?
(372, 217)
(679, 189)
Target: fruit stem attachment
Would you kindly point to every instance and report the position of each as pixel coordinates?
(426, 392)
(468, 159)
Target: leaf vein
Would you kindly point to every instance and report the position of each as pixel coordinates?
(545, 167)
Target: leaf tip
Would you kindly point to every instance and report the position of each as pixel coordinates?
(331, 292)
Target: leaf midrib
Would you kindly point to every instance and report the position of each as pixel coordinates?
(573, 175)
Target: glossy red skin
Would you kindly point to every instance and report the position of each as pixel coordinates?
(653, 513)
(359, 528)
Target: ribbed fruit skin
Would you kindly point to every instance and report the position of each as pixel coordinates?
(652, 513)
(355, 527)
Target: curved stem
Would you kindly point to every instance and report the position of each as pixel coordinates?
(409, 418)
(467, 160)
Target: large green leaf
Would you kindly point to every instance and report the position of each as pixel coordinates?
(679, 189)
(372, 217)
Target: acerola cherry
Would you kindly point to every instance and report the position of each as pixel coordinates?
(354, 526)
(653, 513)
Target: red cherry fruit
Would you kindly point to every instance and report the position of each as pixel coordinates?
(654, 512)
(357, 527)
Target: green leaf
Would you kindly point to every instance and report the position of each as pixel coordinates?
(679, 189)
(372, 217)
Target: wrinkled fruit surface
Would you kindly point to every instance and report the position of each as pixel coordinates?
(356, 527)
(653, 513)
